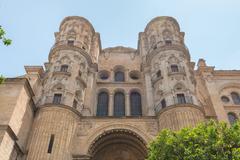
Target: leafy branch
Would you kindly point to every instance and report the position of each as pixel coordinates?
(207, 141)
(5, 40)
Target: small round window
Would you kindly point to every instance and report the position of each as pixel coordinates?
(135, 75)
(103, 75)
(225, 99)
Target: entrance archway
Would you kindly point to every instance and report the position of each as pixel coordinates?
(119, 144)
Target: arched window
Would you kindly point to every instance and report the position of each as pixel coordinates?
(181, 99)
(64, 68)
(70, 42)
(232, 118)
(168, 42)
(136, 104)
(235, 98)
(102, 105)
(119, 104)
(119, 76)
(57, 98)
(174, 68)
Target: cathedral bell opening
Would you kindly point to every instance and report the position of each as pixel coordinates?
(118, 145)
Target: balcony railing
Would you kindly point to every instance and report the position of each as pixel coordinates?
(161, 44)
(176, 101)
(183, 100)
(57, 70)
(75, 43)
(49, 100)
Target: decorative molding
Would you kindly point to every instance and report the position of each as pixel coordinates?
(60, 47)
(177, 47)
(181, 106)
(59, 106)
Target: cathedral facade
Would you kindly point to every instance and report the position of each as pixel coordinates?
(90, 103)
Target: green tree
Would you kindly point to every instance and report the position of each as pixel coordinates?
(5, 40)
(207, 141)
(1, 79)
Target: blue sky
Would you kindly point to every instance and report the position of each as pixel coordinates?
(212, 27)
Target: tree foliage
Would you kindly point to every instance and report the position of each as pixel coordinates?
(5, 40)
(207, 141)
(1, 79)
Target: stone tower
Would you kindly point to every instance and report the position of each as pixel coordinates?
(67, 85)
(91, 103)
(169, 74)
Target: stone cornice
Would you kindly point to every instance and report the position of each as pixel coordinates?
(23, 81)
(176, 47)
(50, 105)
(118, 83)
(226, 73)
(181, 106)
(36, 69)
(118, 118)
(10, 132)
(231, 106)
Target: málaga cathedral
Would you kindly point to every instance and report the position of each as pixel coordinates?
(94, 103)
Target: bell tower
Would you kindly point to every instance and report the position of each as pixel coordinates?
(68, 80)
(72, 64)
(169, 74)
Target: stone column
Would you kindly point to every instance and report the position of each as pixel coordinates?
(110, 105)
(127, 105)
(89, 100)
(112, 75)
(149, 96)
(126, 71)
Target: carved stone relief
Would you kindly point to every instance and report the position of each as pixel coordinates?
(84, 127)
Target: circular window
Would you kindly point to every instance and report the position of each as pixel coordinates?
(135, 75)
(225, 99)
(103, 75)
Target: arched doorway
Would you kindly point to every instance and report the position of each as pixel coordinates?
(119, 144)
